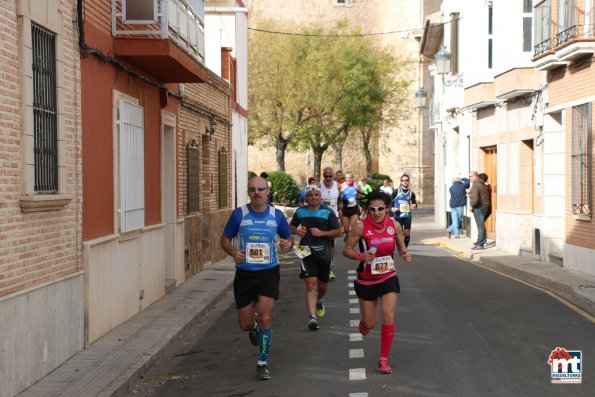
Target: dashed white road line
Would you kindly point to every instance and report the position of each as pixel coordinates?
(351, 271)
(354, 323)
(351, 292)
(353, 301)
(353, 310)
(357, 374)
(356, 353)
(356, 337)
(353, 277)
(358, 394)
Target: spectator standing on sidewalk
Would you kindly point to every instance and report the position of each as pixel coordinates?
(479, 202)
(249, 238)
(458, 202)
(484, 178)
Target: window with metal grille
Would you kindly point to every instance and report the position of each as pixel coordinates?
(193, 177)
(45, 126)
(222, 178)
(581, 158)
(131, 162)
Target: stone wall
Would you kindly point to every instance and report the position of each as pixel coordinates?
(202, 239)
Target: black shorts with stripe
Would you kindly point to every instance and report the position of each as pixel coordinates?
(314, 266)
(247, 285)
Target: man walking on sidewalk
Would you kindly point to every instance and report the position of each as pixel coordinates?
(458, 202)
(318, 226)
(479, 202)
(254, 227)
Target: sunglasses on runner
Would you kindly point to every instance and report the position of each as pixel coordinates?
(257, 188)
(376, 209)
(328, 176)
(404, 180)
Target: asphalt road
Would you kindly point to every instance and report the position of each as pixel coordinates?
(462, 330)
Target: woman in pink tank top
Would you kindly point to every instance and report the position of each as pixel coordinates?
(377, 281)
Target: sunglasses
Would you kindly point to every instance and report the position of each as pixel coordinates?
(328, 176)
(258, 188)
(376, 209)
(404, 180)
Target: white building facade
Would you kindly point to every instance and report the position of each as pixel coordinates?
(486, 115)
(226, 25)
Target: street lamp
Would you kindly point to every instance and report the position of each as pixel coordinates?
(210, 129)
(442, 59)
(420, 98)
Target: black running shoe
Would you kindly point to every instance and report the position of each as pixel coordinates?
(262, 372)
(313, 324)
(253, 335)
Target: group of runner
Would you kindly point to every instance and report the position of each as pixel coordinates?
(373, 224)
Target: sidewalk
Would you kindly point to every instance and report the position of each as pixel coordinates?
(115, 362)
(573, 286)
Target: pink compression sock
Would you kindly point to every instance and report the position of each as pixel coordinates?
(387, 334)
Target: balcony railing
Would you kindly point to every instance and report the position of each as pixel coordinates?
(566, 35)
(542, 47)
(168, 19)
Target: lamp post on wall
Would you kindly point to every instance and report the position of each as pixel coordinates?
(420, 98)
(442, 60)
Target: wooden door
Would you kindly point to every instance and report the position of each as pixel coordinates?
(491, 169)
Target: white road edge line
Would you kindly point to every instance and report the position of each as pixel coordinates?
(356, 337)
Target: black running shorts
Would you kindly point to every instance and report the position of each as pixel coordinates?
(404, 222)
(350, 211)
(247, 285)
(375, 291)
(313, 266)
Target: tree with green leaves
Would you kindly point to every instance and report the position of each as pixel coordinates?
(311, 90)
(277, 70)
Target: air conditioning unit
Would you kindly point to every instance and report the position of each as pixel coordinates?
(139, 11)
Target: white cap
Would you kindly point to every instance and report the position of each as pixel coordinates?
(312, 187)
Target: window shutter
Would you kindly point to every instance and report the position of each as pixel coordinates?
(131, 166)
(222, 178)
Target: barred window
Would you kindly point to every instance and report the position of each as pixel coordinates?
(581, 160)
(45, 126)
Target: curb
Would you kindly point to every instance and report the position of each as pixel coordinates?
(442, 244)
(123, 385)
(568, 292)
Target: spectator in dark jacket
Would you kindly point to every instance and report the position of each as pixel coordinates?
(479, 202)
(458, 202)
(484, 178)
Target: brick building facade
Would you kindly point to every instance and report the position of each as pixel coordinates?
(41, 283)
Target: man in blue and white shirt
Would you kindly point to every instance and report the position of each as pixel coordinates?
(250, 238)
